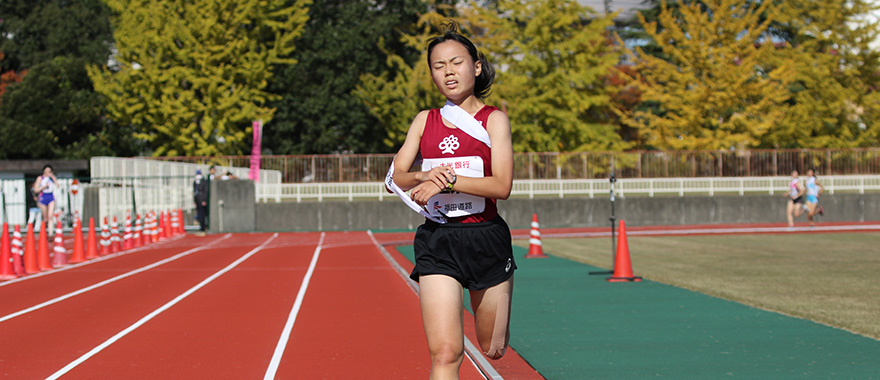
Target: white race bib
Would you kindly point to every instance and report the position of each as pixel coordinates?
(456, 204)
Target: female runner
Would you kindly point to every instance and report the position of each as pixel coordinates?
(460, 181)
(45, 187)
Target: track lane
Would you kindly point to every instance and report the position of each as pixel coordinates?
(512, 365)
(358, 321)
(226, 330)
(31, 291)
(50, 338)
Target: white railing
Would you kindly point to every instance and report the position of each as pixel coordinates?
(155, 185)
(587, 187)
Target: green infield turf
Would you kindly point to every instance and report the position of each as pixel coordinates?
(572, 325)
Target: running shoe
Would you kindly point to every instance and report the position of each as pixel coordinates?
(821, 211)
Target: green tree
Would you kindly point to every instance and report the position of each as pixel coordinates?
(190, 76)
(834, 98)
(53, 110)
(317, 112)
(716, 90)
(552, 59)
(397, 94)
(37, 31)
(555, 58)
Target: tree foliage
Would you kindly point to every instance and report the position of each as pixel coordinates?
(317, 112)
(190, 76)
(552, 58)
(834, 98)
(717, 89)
(397, 94)
(555, 58)
(49, 108)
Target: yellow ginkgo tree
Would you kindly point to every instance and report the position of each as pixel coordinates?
(191, 75)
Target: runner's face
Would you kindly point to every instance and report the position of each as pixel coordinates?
(453, 70)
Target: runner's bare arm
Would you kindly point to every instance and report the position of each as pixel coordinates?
(407, 154)
(498, 185)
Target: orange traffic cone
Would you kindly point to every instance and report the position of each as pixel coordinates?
(115, 241)
(17, 251)
(30, 252)
(147, 234)
(138, 237)
(535, 248)
(105, 238)
(92, 251)
(43, 258)
(622, 265)
(79, 254)
(7, 272)
(168, 230)
(60, 257)
(181, 228)
(127, 242)
(162, 226)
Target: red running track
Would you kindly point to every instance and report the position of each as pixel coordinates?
(245, 306)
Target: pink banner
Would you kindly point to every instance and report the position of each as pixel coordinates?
(254, 173)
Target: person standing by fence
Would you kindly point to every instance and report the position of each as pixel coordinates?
(200, 197)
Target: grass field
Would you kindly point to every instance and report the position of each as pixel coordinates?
(825, 277)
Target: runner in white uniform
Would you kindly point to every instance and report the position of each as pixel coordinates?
(45, 187)
(795, 195)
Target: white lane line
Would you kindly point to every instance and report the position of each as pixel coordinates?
(109, 281)
(471, 351)
(158, 311)
(294, 311)
(84, 263)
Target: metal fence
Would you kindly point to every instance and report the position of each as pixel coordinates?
(583, 165)
(14, 202)
(298, 192)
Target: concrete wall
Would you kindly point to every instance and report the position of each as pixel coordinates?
(231, 206)
(568, 212)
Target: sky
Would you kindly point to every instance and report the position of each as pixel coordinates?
(625, 6)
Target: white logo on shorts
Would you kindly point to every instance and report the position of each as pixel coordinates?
(449, 144)
(507, 268)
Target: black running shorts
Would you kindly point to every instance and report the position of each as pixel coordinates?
(477, 255)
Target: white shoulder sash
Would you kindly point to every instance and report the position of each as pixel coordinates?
(464, 121)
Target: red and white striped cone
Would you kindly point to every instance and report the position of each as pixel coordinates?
(127, 242)
(17, 251)
(115, 240)
(154, 227)
(138, 228)
(60, 257)
(175, 224)
(535, 247)
(105, 238)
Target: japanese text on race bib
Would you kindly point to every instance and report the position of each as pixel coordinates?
(456, 204)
